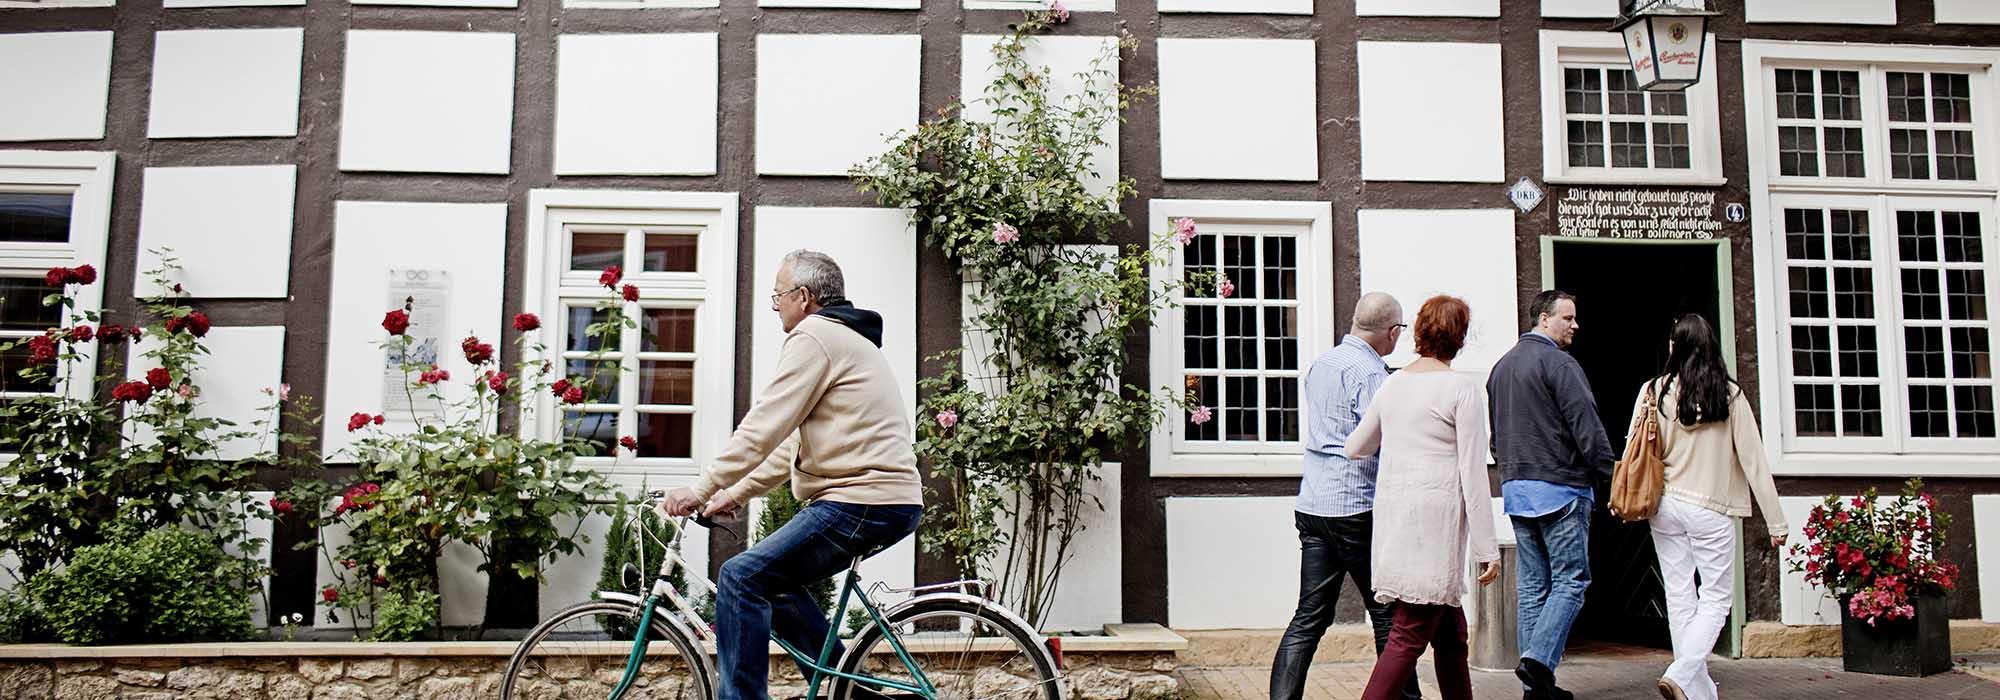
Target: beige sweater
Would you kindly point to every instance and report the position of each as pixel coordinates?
(1718, 466)
(832, 420)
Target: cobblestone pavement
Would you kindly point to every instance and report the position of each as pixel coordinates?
(1631, 676)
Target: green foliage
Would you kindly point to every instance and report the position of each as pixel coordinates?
(404, 613)
(623, 545)
(779, 507)
(81, 471)
(21, 619)
(1013, 202)
(170, 585)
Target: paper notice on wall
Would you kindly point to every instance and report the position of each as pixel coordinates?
(426, 295)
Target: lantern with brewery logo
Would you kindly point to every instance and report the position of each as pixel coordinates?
(1665, 40)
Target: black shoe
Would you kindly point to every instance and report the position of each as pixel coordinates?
(1540, 680)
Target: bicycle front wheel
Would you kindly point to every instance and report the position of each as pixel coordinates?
(967, 651)
(580, 654)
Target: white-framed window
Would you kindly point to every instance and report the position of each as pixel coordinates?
(1598, 126)
(57, 3)
(1876, 249)
(1241, 355)
(55, 210)
(673, 381)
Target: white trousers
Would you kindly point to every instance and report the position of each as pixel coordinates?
(1691, 540)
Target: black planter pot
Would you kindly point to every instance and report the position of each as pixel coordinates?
(1916, 647)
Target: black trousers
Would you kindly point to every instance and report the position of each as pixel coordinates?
(1329, 548)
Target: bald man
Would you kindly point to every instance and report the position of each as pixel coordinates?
(1335, 509)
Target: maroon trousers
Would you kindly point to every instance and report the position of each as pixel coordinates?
(1440, 627)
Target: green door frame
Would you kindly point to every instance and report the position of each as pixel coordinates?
(1730, 644)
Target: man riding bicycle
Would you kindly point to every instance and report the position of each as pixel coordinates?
(833, 422)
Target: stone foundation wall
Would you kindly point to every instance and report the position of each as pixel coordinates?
(1105, 676)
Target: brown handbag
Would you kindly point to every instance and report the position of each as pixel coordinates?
(1641, 475)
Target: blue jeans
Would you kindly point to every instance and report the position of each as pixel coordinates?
(1553, 555)
(764, 588)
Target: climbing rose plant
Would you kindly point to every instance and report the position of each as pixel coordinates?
(1022, 434)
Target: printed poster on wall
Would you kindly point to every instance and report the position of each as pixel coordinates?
(426, 295)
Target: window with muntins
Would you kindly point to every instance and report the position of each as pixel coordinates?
(1610, 122)
(1241, 351)
(644, 382)
(1876, 124)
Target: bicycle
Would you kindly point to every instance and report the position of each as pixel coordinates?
(900, 652)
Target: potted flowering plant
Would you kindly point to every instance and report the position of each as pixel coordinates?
(1880, 559)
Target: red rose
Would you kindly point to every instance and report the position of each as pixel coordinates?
(611, 277)
(159, 378)
(136, 392)
(329, 594)
(631, 293)
(196, 324)
(560, 387)
(358, 421)
(476, 352)
(83, 274)
(279, 505)
(573, 395)
(434, 375)
(379, 419)
(57, 276)
(348, 563)
(111, 333)
(497, 381)
(526, 322)
(628, 443)
(380, 581)
(42, 350)
(395, 322)
(80, 333)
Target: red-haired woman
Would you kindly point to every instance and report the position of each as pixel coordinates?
(1431, 502)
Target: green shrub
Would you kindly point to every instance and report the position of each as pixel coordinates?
(21, 620)
(169, 585)
(404, 613)
(621, 547)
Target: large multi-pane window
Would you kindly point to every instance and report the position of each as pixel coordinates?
(53, 212)
(642, 379)
(1241, 351)
(1888, 335)
(1610, 122)
(1872, 123)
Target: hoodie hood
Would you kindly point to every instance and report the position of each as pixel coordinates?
(863, 321)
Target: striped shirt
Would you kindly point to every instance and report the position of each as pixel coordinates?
(1338, 387)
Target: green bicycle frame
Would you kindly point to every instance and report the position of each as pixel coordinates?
(822, 666)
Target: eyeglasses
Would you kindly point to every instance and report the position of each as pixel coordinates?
(1400, 325)
(786, 293)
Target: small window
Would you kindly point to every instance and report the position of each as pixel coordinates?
(1599, 126)
(1819, 123)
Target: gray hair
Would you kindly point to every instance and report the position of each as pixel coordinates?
(1377, 313)
(817, 272)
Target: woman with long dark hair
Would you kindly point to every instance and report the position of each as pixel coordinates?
(1715, 464)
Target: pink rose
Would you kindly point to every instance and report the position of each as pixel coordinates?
(1184, 230)
(1226, 288)
(1201, 415)
(1061, 13)
(947, 418)
(1004, 234)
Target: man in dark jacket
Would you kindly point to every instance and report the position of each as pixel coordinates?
(1552, 452)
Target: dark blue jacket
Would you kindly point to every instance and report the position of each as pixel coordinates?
(1545, 424)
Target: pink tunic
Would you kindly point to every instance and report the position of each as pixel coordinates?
(1432, 502)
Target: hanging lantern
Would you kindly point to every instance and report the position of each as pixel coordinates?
(1665, 40)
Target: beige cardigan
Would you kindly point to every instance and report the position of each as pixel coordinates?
(835, 407)
(1718, 466)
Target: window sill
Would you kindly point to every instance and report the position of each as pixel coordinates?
(1886, 464)
(1226, 465)
(1691, 180)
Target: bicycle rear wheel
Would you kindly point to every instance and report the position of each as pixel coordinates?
(580, 653)
(967, 651)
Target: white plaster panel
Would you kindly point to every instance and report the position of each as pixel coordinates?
(225, 82)
(256, 528)
(636, 104)
(242, 362)
(1468, 253)
(1431, 112)
(1968, 12)
(1217, 124)
(440, 3)
(1064, 57)
(1580, 8)
(68, 85)
(571, 580)
(877, 253)
(1073, 5)
(229, 227)
(1986, 541)
(877, 4)
(427, 102)
(1427, 8)
(370, 239)
(1091, 592)
(1821, 11)
(828, 102)
(1232, 563)
(171, 4)
(1276, 7)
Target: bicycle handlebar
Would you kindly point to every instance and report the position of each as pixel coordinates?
(656, 497)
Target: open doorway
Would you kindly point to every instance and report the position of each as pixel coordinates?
(1628, 293)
